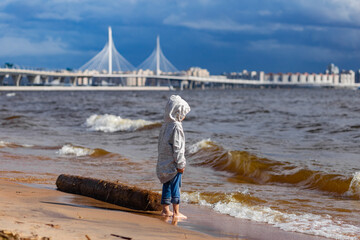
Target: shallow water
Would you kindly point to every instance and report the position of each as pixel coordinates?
(285, 157)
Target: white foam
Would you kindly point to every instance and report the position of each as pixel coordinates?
(354, 187)
(4, 144)
(11, 94)
(9, 144)
(27, 145)
(320, 225)
(205, 143)
(111, 123)
(69, 150)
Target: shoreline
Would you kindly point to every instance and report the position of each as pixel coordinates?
(81, 88)
(30, 210)
(44, 213)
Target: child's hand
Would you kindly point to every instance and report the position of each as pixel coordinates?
(180, 170)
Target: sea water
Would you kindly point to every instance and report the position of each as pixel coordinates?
(289, 158)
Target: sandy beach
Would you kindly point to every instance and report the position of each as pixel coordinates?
(35, 212)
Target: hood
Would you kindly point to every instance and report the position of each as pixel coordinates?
(176, 109)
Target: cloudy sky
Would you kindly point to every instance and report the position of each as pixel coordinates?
(220, 35)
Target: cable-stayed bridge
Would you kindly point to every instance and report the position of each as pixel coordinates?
(109, 67)
(111, 61)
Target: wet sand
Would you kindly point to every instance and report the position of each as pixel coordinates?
(40, 212)
(32, 212)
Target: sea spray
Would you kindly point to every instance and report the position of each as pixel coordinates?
(111, 123)
(205, 143)
(69, 150)
(354, 188)
(78, 151)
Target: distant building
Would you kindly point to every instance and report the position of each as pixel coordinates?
(246, 75)
(294, 77)
(261, 75)
(347, 77)
(137, 81)
(197, 72)
(305, 77)
(332, 76)
(357, 76)
(332, 69)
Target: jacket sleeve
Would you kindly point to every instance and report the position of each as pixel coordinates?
(179, 147)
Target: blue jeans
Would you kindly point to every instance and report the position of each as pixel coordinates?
(171, 191)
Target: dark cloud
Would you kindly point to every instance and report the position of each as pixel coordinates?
(277, 35)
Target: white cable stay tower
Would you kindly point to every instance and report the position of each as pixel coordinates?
(108, 59)
(157, 61)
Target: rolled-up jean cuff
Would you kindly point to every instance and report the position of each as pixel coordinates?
(175, 200)
(166, 201)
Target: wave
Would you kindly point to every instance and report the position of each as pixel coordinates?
(11, 94)
(242, 205)
(17, 121)
(111, 123)
(77, 151)
(4, 144)
(203, 144)
(247, 167)
(12, 117)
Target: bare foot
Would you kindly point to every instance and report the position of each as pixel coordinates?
(179, 216)
(166, 213)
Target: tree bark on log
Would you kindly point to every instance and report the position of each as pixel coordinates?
(115, 193)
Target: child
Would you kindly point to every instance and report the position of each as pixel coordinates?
(171, 159)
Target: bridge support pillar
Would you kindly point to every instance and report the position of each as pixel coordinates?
(54, 81)
(31, 79)
(122, 82)
(182, 84)
(2, 79)
(85, 81)
(140, 81)
(169, 84)
(37, 79)
(202, 86)
(73, 81)
(44, 80)
(16, 79)
(190, 84)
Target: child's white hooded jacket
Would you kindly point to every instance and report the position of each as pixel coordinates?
(171, 146)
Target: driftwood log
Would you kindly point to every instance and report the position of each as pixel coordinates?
(115, 193)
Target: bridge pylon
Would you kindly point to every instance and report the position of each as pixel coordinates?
(108, 59)
(157, 61)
